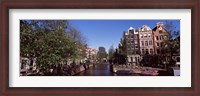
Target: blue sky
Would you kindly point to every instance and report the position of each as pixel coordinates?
(106, 33)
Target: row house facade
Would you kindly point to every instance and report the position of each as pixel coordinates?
(132, 45)
(160, 36)
(144, 40)
(132, 41)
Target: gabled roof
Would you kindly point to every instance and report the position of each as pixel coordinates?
(154, 29)
(131, 28)
(145, 26)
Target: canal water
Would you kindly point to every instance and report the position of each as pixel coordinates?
(102, 70)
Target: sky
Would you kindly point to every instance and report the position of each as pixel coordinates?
(105, 33)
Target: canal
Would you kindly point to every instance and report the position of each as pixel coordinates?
(102, 70)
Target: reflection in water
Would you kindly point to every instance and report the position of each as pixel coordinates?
(101, 70)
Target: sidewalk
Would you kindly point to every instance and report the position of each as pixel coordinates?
(136, 69)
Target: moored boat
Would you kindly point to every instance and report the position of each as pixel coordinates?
(150, 73)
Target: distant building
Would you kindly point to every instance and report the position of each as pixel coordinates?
(27, 65)
(91, 54)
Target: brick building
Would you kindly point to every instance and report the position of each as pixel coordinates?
(160, 35)
(142, 41)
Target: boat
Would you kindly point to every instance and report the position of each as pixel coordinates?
(137, 71)
(149, 73)
(123, 72)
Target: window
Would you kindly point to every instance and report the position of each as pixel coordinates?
(158, 44)
(132, 41)
(147, 51)
(161, 37)
(141, 36)
(146, 43)
(178, 59)
(136, 46)
(24, 63)
(145, 29)
(132, 36)
(157, 38)
(130, 31)
(162, 44)
(160, 32)
(145, 35)
(131, 59)
(136, 42)
(165, 37)
(149, 35)
(150, 42)
(137, 52)
(136, 36)
(151, 51)
(142, 51)
(142, 42)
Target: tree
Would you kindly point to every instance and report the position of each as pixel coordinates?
(56, 50)
(76, 35)
(82, 52)
(61, 25)
(80, 41)
(27, 39)
(170, 27)
(173, 42)
(111, 52)
(122, 47)
(172, 45)
(47, 41)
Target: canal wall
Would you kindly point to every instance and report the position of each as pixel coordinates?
(80, 69)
